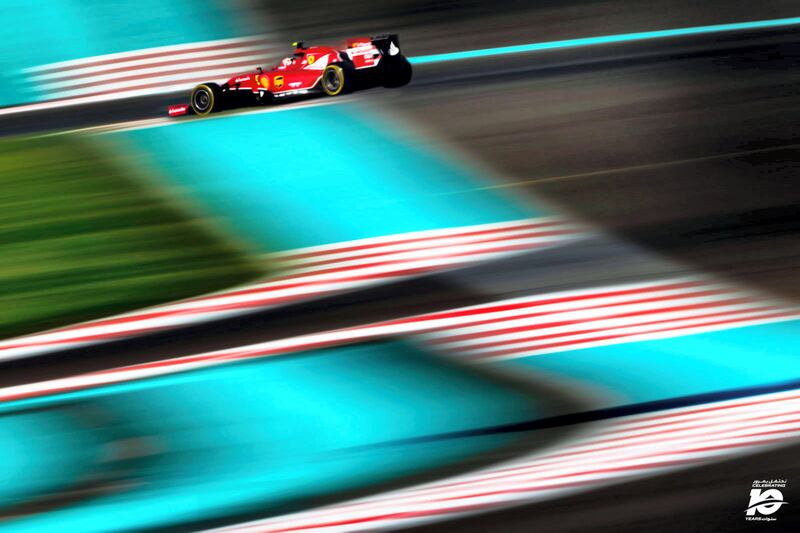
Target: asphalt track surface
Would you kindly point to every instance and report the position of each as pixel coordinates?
(692, 153)
(688, 147)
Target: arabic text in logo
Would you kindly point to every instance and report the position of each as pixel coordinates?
(765, 499)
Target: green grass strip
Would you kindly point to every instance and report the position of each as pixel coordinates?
(81, 238)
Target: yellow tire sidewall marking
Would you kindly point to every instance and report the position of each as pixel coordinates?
(340, 75)
(210, 93)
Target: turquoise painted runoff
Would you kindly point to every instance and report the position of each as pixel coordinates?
(259, 436)
(39, 32)
(44, 451)
(606, 39)
(680, 366)
(317, 175)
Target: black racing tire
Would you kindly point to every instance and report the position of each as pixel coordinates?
(397, 72)
(206, 99)
(338, 78)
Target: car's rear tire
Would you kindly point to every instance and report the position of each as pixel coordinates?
(397, 72)
(337, 79)
(206, 99)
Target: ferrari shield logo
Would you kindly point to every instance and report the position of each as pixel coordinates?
(311, 59)
(278, 82)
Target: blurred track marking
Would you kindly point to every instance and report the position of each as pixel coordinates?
(150, 71)
(619, 451)
(521, 327)
(634, 168)
(315, 272)
(556, 323)
(605, 39)
(143, 72)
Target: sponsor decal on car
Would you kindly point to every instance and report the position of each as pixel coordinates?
(364, 55)
(264, 81)
(362, 49)
(278, 82)
(311, 59)
(177, 110)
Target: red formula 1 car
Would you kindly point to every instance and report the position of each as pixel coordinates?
(361, 62)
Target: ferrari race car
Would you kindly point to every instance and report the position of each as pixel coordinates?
(361, 62)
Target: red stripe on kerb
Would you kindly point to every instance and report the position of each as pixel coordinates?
(396, 272)
(443, 255)
(240, 64)
(545, 325)
(511, 351)
(527, 235)
(411, 239)
(533, 338)
(580, 308)
(149, 55)
(557, 300)
(232, 55)
(187, 82)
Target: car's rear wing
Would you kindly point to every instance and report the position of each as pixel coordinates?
(389, 45)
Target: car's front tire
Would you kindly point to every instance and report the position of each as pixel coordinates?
(337, 79)
(206, 99)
